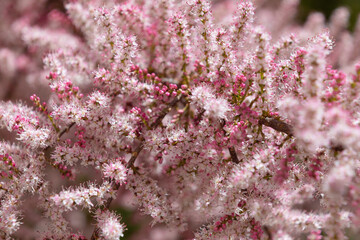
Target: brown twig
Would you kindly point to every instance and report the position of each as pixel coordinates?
(134, 155)
(283, 127)
(277, 125)
(232, 151)
(268, 232)
(164, 112)
(233, 155)
(66, 129)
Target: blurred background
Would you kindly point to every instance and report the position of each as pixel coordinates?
(327, 7)
(306, 7)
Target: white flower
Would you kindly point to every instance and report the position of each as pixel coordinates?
(213, 106)
(111, 228)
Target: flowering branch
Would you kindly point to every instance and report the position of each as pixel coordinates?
(130, 164)
(194, 89)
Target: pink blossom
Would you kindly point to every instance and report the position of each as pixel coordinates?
(215, 119)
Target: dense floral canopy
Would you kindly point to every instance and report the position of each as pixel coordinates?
(217, 120)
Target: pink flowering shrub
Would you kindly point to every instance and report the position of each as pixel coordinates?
(215, 126)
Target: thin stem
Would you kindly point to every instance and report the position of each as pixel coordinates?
(66, 129)
(164, 112)
(232, 151)
(233, 155)
(135, 154)
(47, 150)
(283, 127)
(277, 125)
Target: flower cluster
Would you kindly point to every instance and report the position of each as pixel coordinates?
(217, 119)
(109, 224)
